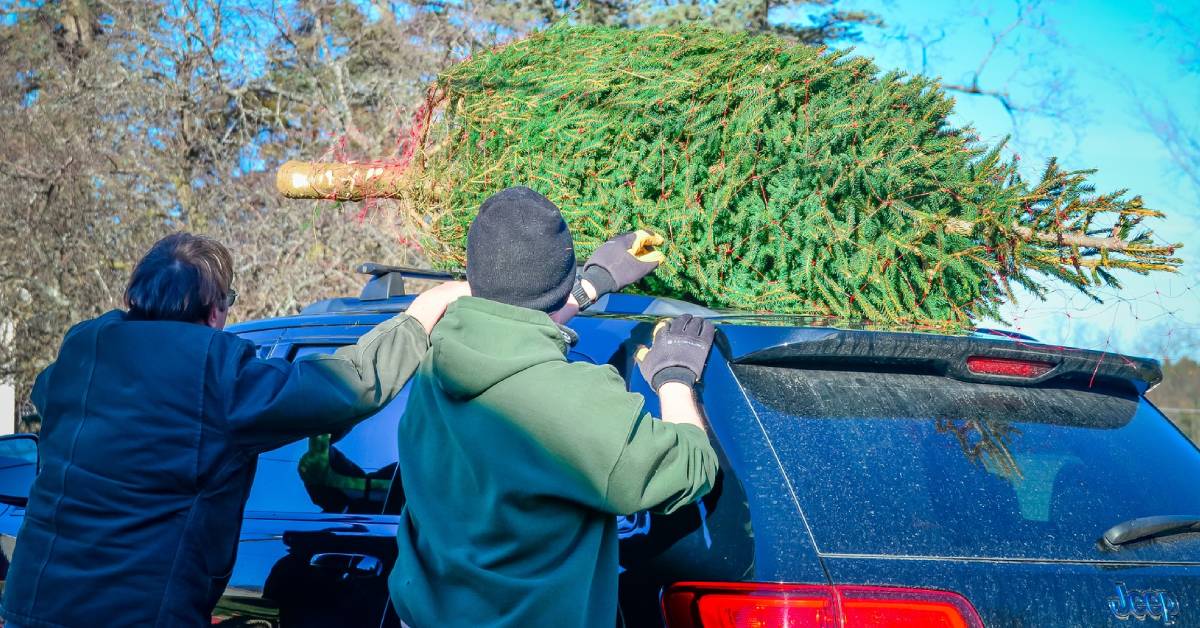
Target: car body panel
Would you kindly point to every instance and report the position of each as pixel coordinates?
(1034, 593)
(317, 570)
(299, 568)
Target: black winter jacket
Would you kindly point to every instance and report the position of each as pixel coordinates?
(150, 431)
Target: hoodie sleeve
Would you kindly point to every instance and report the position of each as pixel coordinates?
(662, 467)
(270, 402)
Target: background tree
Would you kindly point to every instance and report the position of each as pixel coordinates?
(808, 21)
(74, 204)
(1179, 131)
(129, 120)
(132, 120)
(1178, 396)
(1011, 70)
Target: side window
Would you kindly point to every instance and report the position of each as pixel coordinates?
(332, 473)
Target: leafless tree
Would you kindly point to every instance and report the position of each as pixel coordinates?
(130, 120)
(126, 120)
(1178, 130)
(1011, 68)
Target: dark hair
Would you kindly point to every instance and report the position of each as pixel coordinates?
(181, 278)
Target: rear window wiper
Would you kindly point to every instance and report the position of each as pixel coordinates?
(1149, 527)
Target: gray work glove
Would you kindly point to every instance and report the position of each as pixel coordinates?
(681, 347)
(622, 261)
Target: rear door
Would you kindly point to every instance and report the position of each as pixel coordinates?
(319, 536)
(998, 492)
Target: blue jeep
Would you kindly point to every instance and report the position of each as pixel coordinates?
(870, 478)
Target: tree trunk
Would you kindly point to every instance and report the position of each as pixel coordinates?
(1062, 238)
(338, 181)
(356, 182)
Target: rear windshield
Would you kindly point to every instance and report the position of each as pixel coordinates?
(920, 465)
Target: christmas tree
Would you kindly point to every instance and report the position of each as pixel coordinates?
(785, 177)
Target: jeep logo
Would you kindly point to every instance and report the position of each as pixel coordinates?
(1143, 605)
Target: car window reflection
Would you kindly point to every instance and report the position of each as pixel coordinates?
(349, 473)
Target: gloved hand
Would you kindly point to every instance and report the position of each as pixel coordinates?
(315, 468)
(622, 261)
(681, 347)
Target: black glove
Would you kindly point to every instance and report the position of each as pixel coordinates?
(681, 347)
(622, 261)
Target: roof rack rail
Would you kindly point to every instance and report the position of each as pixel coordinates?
(388, 281)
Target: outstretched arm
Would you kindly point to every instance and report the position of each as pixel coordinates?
(663, 467)
(670, 463)
(622, 261)
(270, 402)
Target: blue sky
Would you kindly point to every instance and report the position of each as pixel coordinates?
(1096, 63)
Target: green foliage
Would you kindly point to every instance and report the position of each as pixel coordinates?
(785, 177)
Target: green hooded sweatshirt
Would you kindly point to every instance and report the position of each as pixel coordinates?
(515, 464)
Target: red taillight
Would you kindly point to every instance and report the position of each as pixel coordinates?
(1007, 367)
(755, 605)
(739, 605)
(890, 606)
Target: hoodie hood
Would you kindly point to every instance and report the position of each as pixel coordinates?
(479, 343)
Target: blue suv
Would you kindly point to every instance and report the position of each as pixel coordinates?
(869, 478)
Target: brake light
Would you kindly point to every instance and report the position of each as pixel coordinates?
(891, 606)
(759, 605)
(1007, 367)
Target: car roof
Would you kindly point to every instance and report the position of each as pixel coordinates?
(786, 339)
(357, 311)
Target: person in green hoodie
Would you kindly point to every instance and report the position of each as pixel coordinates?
(515, 463)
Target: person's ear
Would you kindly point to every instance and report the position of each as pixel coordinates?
(216, 317)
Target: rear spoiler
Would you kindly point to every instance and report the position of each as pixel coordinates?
(957, 357)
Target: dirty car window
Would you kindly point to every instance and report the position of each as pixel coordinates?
(921, 465)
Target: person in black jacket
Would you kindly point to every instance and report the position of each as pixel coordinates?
(152, 419)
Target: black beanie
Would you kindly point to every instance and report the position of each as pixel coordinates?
(520, 251)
